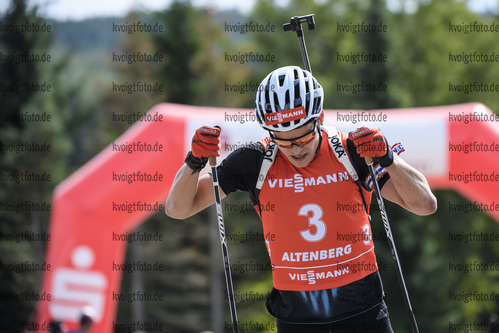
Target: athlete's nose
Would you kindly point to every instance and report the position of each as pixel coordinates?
(296, 150)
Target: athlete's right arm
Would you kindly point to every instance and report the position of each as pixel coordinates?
(191, 193)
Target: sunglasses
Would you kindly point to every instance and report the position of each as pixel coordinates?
(299, 141)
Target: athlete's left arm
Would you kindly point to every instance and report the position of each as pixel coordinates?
(408, 188)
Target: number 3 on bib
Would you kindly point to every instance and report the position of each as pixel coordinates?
(314, 214)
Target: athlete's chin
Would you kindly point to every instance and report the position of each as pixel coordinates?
(300, 161)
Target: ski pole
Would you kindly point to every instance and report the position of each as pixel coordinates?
(295, 25)
(223, 242)
(391, 244)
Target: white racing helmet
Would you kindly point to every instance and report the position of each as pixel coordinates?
(288, 98)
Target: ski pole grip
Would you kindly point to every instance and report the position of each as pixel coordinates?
(213, 159)
(369, 160)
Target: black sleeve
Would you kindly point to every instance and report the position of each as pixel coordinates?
(240, 170)
(361, 167)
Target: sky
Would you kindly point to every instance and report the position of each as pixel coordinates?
(82, 9)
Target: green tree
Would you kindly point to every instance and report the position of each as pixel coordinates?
(17, 44)
(375, 72)
(41, 119)
(14, 130)
(179, 43)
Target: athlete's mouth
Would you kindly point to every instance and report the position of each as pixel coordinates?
(299, 157)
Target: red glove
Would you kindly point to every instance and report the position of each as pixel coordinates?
(206, 142)
(369, 142)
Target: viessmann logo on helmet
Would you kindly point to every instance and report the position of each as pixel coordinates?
(285, 116)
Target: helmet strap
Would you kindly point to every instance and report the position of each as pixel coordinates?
(320, 139)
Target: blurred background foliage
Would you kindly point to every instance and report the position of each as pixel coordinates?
(194, 71)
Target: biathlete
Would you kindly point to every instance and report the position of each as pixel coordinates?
(325, 275)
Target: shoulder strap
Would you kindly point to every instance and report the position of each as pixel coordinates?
(268, 159)
(340, 152)
(342, 156)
